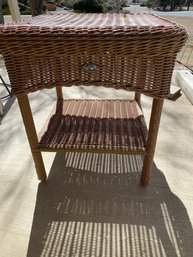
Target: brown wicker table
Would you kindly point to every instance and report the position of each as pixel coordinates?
(134, 52)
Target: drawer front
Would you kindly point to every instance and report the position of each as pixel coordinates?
(130, 65)
(151, 76)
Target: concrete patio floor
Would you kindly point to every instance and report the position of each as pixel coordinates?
(92, 205)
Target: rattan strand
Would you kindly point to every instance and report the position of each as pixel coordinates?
(95, 125)
(132, 52)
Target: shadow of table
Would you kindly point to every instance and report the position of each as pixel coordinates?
(92, 206)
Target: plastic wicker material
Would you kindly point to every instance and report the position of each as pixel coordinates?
(129, 51)
(123, 51)
(97, 126)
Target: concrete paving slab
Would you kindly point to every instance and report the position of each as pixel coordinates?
(92, 205)
(184, 78)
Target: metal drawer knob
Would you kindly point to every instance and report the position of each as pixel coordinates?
(90, 67)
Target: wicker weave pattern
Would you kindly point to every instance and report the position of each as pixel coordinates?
(133, 52)
(93, 24)
(95, 125)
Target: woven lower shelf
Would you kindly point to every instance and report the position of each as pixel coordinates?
(116, 126)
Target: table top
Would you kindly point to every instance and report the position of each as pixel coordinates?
(93, 24)
(129, 51)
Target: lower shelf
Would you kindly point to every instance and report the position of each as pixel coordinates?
(95, 126)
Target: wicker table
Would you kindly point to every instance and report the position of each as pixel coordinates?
(134, 52)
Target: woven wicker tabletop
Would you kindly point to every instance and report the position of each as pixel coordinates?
(97, 24)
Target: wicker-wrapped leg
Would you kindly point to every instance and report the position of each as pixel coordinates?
(138, 98)
(151, 141)
(32, 135)
(59, 93)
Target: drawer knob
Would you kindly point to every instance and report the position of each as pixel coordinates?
(90, 67)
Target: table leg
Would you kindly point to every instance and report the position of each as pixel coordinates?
(151, 140)
(138, 98)
(59, 93)
(32, 135)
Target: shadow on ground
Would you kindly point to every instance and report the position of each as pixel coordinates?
(93, 206)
